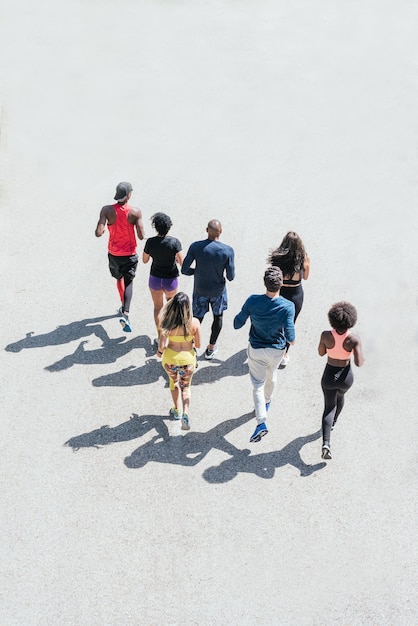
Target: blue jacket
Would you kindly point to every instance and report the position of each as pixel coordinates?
(271, 321)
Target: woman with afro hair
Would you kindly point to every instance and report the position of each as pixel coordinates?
(338, 343)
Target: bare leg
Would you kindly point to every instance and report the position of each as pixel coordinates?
(158, 300)
(175, 394)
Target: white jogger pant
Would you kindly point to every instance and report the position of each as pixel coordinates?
(263, 364)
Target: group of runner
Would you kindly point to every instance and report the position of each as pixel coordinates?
(272, 314)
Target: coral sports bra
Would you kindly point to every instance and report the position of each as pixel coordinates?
(338, 352)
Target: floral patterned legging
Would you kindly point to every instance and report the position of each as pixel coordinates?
(180, 375)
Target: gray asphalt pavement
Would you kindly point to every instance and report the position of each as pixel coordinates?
(269, 116)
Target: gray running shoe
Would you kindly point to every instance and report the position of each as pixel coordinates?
(326, 452)
(209, 354)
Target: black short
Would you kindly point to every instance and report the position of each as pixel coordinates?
(123, 266)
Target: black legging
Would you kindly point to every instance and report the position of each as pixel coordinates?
(335, 382)
(295, 295)
(128, 293)
(216, 328)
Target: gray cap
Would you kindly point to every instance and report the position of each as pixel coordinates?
(122, 191)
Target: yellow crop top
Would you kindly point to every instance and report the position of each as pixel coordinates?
(175, 338)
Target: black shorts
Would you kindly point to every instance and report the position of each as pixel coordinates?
(123, 266)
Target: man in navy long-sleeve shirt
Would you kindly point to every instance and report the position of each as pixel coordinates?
(214, 261)
(272, 325)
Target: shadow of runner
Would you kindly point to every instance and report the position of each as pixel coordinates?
(189, 449)
(110, 352)
(135, 427)
(150, 372)
(265, 464)
(235, 365)
(63, 334)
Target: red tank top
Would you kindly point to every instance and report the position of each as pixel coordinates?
(122, 240)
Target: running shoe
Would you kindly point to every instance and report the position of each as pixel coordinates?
(175, 413)
(209, 354)
(326, 451)
(285, 361)
(185, 424)
(120, 311)
(268, 405)
(124, 322)
(259, 432)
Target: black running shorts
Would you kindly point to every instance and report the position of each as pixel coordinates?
(123, 266)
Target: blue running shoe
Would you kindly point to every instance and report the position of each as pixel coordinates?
(175, 413)
(268, 405)
(259, 432)
(185, 424)
(124, 322)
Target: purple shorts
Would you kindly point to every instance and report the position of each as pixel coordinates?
(165, 284)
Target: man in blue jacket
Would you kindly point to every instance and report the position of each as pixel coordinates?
(213, 261)
(272, 325)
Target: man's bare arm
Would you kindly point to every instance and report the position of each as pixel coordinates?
(101, 224)
(136, 219)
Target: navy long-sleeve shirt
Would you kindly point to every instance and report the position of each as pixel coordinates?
(213, 261)
(271, 321)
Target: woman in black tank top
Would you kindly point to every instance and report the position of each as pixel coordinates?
(294, 262)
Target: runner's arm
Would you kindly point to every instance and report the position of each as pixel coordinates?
(242, 316)
(188, 260)
(101, 224)
(358, 353)
(140, 231)
(306, 267)
(230, 268)
(322, 349)
(197, 334)
(289, 329)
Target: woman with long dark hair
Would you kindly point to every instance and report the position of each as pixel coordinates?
(294, 262)
(179, 336)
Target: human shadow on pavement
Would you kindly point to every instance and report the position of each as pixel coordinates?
(235, 365)
(152, 370)
(264, 464)
(189, 449)
(135, 427)
(111, 350)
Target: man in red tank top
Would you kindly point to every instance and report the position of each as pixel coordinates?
(124, 223)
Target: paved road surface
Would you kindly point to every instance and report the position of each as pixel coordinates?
(269, 116)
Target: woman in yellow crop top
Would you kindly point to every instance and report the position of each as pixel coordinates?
(337, 378)
(179, 336)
